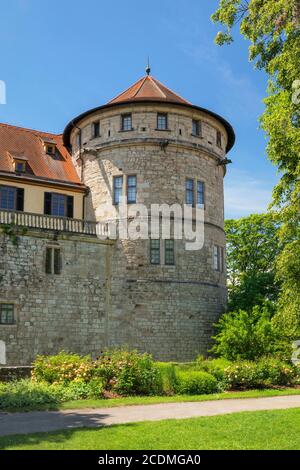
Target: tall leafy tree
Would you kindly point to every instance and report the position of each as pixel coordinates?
(253, 245)
(272, 27)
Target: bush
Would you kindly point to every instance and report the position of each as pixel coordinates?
(215, 367)
(246, 335)
(196, 383)
(167, 377)
(262, 374)
(27, 394)
(62, 368)
(129, 373)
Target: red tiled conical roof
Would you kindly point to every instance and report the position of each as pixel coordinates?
(148, 88)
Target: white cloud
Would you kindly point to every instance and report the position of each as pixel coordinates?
(245, 195)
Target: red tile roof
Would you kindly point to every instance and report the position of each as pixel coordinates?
(29, 144)
(148, 88)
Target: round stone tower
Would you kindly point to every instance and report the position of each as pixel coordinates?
(151, 146)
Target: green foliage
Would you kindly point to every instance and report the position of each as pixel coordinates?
(273, 28)
(214, 367)
(264, 373)
(196, 383)
(62, 368)
(252, 247)
(246, 335)
(129, 373)
(167, 376)
(287, 318)
(25, 393)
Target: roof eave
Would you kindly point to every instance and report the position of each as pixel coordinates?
(72, 124)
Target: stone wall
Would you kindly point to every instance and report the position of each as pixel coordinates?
(53, 312)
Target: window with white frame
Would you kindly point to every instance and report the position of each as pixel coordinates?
(131, 189)
(162, 121)
(189, 192)
(126, 122)
(118, 189)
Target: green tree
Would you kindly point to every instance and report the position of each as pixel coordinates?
(252, 247)
(272, 27)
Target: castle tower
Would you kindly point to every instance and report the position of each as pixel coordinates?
(151, 146)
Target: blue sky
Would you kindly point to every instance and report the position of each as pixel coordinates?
(60, 58)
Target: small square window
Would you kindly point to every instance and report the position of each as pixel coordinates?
(7, 314)
(162, 121)
(53, 260)
(20, 167)
(126, 122)
(96, 129)
(155, 251)
(50, 149)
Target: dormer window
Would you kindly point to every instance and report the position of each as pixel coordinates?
(20, 166)
(50, 149)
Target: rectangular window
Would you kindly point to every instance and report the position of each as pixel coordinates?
(200, 194)
(7, 198)
(118, 189)
(131, 189)
(155, 251)
(7, 314)
(59, 205)
(20, 167)
(189, 192)
(126, 122)
(96, 129)
(169, 252)
(53, 260)
(219, 139)
(162, 121)
(196, 128)
(218, 258)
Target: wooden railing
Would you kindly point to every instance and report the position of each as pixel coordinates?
(48, 222)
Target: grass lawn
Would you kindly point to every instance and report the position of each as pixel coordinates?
(248, 430)
(129, 401)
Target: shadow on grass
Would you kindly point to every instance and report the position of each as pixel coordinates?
(13, 426)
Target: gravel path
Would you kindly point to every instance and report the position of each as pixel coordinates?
(43, 421)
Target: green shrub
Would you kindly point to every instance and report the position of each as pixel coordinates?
(168, 377)
(196, 383)
(80, 390)
(62, 368)
(28, 394)
(262, 374)
(129, 373)
(215, 367)
(246, 335)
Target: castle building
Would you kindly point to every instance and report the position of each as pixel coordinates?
(62, 287)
